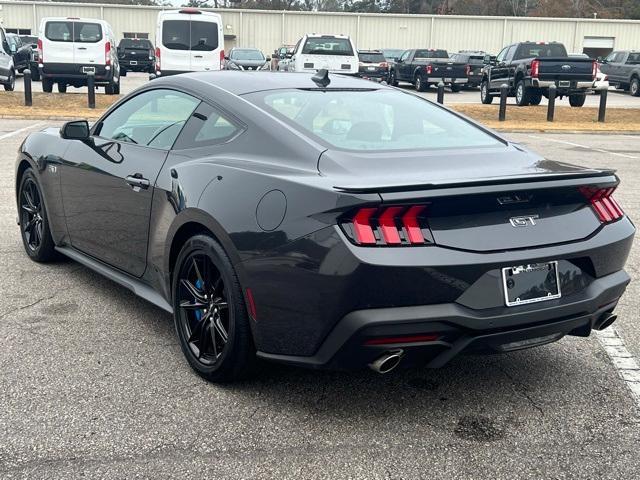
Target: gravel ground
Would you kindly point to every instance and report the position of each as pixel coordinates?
(93, 383)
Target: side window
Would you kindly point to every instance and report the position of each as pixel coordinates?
(405, 55)
(153, 118)
(503, 53)
(512, 54)
(207, 126)
(614, 57)
(634, 59)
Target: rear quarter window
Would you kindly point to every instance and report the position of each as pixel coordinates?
(59, 31)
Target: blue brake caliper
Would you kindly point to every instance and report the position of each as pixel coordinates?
(199, 313)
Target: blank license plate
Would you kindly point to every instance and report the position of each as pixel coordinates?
(535, 282)
(564, 83)
(133, 62)
(88, 69)
(371, 69)
(447, 80)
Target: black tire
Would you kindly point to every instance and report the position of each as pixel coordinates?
(11, 82)
(34, 224)
(123, 72)
(47, 85)
(35, 74)
(203, 266)
(634, 87)
(535, 98)
(522, 94)
(485, 96)
(112, 88)
(392, 79)
(420, 84)
(577, 100)
(455, 88)
(62, 87)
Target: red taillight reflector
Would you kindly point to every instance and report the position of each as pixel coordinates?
(428, 69)
(361, 227)
(594, 69)
(384, 65)
(107, 53)
(251, 305)
(158, 59)
(404, 339)
(190, 11)
(535, 68)
(388, 226)
(221, 58)
(467, 69)
(40, 52)
(603, 204)
(411, 224)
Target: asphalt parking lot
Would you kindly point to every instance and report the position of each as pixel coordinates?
(615, 99)
(93, 383)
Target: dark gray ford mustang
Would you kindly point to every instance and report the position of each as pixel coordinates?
(326, 222)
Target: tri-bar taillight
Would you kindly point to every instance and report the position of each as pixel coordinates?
(603, 204)
(388, 226)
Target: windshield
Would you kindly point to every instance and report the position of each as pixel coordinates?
(371, 57)
(246, 55)
(431, 54)
(392, 53)
(532, 50)
(327, 46)
(372, 120)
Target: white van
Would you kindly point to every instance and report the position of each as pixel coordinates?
(335, 53)
(188, 40)
(70, 47)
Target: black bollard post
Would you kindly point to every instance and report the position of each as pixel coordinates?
(91, 86)
(441, 93)
(552, 103)
(28, 95)
(502, 113)
(602, 109)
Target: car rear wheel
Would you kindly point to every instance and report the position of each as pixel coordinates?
(210, 315)
(62, 87)
(34, 226)
(485, 96)
(634, 88)
(47, 85)
(35, 74)
(577, 100)
(522, 94)
(455, 88)
(535, 99)
(420, 84)
(392, 79)
(11, 82)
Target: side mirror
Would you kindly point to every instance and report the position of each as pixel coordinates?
(75, 130)
(487, 60)
(13, 48)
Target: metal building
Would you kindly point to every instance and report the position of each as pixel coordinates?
(268, 30)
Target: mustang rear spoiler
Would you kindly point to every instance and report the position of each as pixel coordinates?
(516, 182)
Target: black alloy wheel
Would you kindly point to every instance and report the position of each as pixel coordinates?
(209, 311)
(34, 227)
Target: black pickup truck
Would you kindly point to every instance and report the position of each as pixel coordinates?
(424, 67)
(530, 68)
(623, 70)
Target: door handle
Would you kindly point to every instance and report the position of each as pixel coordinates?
(82, 48)
(136, 180)
(198, 56)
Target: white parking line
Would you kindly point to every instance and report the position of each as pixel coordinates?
(624, 362)
(20, 130)
(582, 146)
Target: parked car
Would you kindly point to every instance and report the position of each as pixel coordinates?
(530, 68)
(33, 60)
(136, 55)
(335, 53)
(424, 67)
(188, 40)
(623, 69)
(475, 60)
(246, 59)
(70, 48)
(281, 55)
(20, 52)
(372, 64)
(392, 54)
(7, 70)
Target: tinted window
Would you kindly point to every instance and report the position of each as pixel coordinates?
(30, 40)
(175, 34)
(59, 31)
(207, 127)
(392, 53)
(84, 32)
(476, 59)
(405, 55)
(237, 54)
(371, 57)
(531, 50)
(503, 53)
(135, 44)
(372, 120)
(204, 36)
(431, 54)
(634, 58)
(327, 46)
(152, 118)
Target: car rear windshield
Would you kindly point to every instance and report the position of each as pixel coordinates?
(531, 50)
(327, 46)
(246, 55)
(374, 57)
(133, 44)
(372, 120)
(431, 54)
(81, 32)
(190, 35)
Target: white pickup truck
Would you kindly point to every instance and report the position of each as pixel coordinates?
(335, 53)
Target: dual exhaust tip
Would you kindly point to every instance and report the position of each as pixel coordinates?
(387, 361)
(605, 320)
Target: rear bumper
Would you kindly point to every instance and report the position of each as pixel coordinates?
(141, 65)
(459, 329)
(75, 72)
(574, 86)
(456, 81)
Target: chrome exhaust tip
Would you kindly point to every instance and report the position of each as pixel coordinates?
(605, 321)
(387, 362)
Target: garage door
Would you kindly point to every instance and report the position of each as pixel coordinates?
(599, 42)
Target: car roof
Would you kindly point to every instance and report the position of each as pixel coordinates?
(239, 83)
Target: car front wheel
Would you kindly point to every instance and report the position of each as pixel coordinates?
(34, 226)
(11, 82)
(210, 315)
(485, 96)
(634, 88)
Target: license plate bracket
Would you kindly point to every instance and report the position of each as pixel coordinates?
(133, 62)
(564, 83)
(531, 283)
(88, 69)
